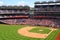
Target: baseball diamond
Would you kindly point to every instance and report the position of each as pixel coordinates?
(19, 32)
(22, 22)
(25, 32)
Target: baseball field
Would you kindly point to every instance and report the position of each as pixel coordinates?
(26, 32)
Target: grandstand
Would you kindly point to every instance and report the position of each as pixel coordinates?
(45, 14)
(13, 14)
(50, 11)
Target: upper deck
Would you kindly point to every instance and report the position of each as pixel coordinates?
(14, 9)
(47, 3)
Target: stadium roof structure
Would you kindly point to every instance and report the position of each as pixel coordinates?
(14, 7)
(47, 3)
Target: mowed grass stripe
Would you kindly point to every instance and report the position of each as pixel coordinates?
(9, 32)
(52, 36)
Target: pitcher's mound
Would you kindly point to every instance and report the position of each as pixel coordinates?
(40, 30)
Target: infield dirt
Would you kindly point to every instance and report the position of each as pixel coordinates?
(25, 32)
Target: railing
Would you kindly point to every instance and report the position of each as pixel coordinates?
(14, 17)
(46, 11)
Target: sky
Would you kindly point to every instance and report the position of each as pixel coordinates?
(19, 2)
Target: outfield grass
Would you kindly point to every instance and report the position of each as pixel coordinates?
(9, 32)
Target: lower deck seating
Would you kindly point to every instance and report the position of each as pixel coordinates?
(42, 22)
